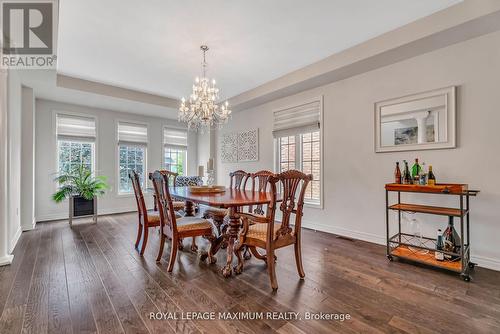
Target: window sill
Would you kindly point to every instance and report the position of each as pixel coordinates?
(314, 205)
(145, 193)
(121, 195)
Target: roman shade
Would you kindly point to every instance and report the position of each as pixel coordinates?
(130, 133)
(75, 127)
(297, 119)
(175, 138)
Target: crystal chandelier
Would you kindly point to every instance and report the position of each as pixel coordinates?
(202, 111)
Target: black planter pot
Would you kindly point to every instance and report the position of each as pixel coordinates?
(81, 207)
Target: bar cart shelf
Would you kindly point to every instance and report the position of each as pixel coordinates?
(422, 249)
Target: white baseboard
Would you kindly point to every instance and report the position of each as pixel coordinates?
(482, 261)
(15, 239)
(486, 262)
(6, 260)
(373, 238)
(65, 215)
(29, 227)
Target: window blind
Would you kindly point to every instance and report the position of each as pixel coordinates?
(75, 127)
(175, 138)
(298, 119)
(132, 133)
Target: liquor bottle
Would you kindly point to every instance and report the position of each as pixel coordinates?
(415, 170)
(431, 179)
(397, 174)
(438, 255)
(406, 174)
(422, 176)
(452, 241)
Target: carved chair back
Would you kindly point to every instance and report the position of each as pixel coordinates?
(168, 222)
(260, 181)
(172, 177)
(238, 179)
(172, 181)
(139, 197)
(293, 185)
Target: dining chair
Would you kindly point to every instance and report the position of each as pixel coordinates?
(259, 182)
(178, 228)
(261, 231)
(178, 205)
(147, 218)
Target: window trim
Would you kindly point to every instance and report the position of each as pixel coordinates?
(298, 157)
(55, 140)
(165, 146)
(117, 156)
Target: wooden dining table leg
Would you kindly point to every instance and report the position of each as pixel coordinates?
(234, 226)
(189, 209)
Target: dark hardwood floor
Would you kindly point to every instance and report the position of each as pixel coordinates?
(89, 279)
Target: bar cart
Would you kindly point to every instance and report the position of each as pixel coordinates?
(422, 249)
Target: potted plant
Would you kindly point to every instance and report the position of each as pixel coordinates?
(82, 190)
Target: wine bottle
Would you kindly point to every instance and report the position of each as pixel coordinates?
(415, 170)
(438, 255)
(422, 176)
(406, 174)
(397, 173)
(452, 241)
(431, 179)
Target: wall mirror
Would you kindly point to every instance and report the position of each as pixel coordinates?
(421, 121)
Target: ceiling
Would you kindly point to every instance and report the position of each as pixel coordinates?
(44, 85)
(153, 46)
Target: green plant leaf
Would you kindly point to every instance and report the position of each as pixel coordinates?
(79, 182)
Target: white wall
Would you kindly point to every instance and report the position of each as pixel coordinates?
(14, 158)
(206, 148)
(106, 155)
(354, 175)
(5, 257)
(28, 159)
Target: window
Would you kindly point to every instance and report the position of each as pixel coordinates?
(303, 152)
(75, 143)
(175, 160)
(131, 158)
(287, 153)
(298, 138)
(311, 163)
(175, 150)
(132, 150)
(73, 154)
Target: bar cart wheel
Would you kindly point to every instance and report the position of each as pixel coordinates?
(465, 277)
(390, 258)
(472, 265)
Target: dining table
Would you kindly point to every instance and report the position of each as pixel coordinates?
(231, 199)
